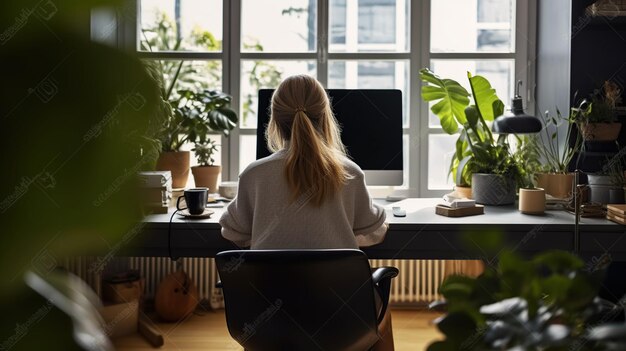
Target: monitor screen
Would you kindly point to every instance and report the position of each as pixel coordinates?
(371, 130)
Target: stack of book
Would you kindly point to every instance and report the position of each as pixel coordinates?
(458, 207)
(155, 190)
(616, 213)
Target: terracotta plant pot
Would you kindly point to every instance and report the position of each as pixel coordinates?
(600, 131)
(176, 297)
(178, 163)
(206, 176)
(532, 201)
(463, 191)
(558, 185)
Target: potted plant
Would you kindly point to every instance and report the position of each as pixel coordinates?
(171, 158)
(597, 118)
(599, 186)
(203, 113)
(618, 181)
(609, 178)
(480, 159)
(205, 174)
(193, 115)
(532, 200)
(556, 154)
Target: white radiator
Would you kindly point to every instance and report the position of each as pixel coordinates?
(417, 283)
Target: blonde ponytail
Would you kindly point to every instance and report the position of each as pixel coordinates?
(301, 114)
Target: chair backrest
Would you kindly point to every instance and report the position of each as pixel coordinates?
(299, 299)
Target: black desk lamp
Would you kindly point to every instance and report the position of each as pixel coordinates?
(517, 121)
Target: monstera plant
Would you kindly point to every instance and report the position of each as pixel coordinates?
(478, 152)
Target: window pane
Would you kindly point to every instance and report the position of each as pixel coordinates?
(355, 74)
(257, 74)
(471, 26)
(500, 74)
(369, 25)
(193, 75)
(247, 151)
(279, 26)
(185, 25)
(440, 152)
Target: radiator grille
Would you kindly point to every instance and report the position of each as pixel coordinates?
(417, 283)
(202, 271)
(418, 280)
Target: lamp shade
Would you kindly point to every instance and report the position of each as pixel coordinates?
(517, 121)
(517, 124)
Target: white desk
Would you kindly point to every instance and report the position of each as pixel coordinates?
(421, 234)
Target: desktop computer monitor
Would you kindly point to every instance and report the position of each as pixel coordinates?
(371, 130)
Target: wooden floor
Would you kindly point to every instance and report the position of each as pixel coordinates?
(412, 330)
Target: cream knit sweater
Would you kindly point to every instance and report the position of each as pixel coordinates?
(262, 216)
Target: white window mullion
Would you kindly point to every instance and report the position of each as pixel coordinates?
(129, 31)
(525, 50)
(400, 24)
(323, 40)
(352, 21)
(232, 25)
(420, 132)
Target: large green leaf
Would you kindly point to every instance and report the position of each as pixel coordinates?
(472, 116)
(487, 102)
(450, 100)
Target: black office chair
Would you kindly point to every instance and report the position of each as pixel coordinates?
(303, 299)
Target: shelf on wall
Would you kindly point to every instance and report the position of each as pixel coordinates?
(602, 147)
(607, 12)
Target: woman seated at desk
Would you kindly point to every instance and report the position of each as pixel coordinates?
(307, 194)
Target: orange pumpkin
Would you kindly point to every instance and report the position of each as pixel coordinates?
(176, 297)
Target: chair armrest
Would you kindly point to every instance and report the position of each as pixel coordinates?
(380, 273)
(382, 281)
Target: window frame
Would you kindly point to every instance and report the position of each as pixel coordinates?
(418, 56)
(524, 28)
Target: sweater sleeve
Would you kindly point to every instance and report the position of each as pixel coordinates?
(236, 221)
(369, 219)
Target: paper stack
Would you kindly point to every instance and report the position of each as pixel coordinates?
(616, 213)
(155, 190)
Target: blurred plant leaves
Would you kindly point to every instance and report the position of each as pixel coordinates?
(73, 115)
(548, 302)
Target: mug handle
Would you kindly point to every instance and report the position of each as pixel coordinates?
(178, 203)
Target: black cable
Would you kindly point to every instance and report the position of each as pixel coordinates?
(169, 238)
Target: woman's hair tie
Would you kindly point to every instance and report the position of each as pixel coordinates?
(300, 109)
